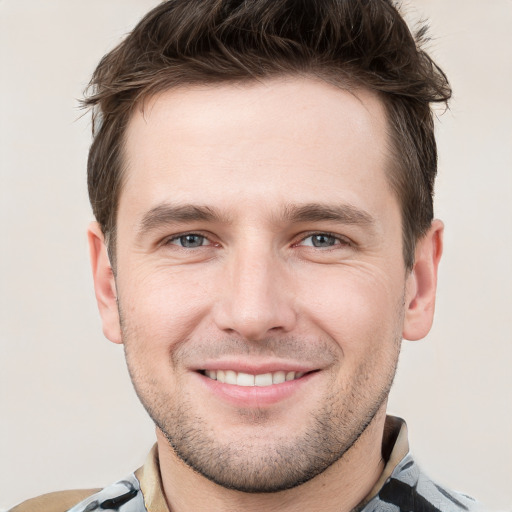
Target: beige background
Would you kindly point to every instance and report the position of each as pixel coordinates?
(68, 415)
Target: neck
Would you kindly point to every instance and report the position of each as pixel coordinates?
(340, 488)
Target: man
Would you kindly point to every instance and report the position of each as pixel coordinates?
(262, 177)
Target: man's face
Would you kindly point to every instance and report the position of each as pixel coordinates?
(260, 276)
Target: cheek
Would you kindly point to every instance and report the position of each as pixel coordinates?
(360, 307)
(161, 308)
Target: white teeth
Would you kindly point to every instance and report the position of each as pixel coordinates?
(265, 379)
(230, 377)
(246, 379)
(278, 377)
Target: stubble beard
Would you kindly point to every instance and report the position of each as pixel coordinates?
(256, 466)
(262, 462)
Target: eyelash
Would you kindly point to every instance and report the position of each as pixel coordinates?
(169, 241)
(338, 240)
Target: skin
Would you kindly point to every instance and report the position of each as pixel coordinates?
(296, 262)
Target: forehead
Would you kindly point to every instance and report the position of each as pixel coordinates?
(292, 140)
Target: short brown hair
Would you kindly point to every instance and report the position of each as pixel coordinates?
(350, 43)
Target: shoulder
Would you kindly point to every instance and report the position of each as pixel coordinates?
(409, 488)
(55, 501)
(123, 496)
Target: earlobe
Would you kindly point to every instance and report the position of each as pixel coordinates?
(104, 283)
(421, 284)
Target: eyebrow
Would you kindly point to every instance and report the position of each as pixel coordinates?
(315, 212)
(166, 214)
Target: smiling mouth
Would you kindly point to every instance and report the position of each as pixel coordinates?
(247, 379)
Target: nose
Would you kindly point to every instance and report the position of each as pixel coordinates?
(256, 297)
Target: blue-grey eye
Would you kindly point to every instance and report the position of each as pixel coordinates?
(323, 240)
(190, 241)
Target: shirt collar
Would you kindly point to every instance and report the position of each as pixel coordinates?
(395, 447)
(151, 482)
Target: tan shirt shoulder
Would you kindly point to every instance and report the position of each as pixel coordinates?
(55, 501)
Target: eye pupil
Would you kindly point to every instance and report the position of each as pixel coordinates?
(323, 240)
(191, 240)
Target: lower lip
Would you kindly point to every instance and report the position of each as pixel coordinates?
(255, 396)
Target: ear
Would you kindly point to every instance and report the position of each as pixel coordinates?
(421, 284)
(104, 283)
